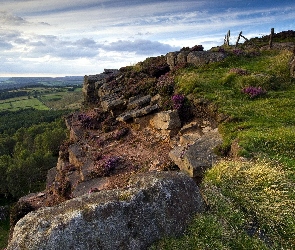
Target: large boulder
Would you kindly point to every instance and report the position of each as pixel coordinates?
(194, 159)
(157, 204)
(199, 58)
(166, 120)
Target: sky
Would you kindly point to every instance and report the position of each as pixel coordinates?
(83, 37)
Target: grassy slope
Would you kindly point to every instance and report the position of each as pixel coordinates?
(250, 203)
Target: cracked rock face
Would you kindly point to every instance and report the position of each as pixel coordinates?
(195, 158)
(157, 204)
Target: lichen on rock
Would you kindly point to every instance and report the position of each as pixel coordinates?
(156, 205)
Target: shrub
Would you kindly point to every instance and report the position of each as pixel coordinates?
(253, 92)
(238, 52)
(165, 84)
(88, 120)
(104, 167)
(110, 164)
(155, 66)
(178, 101)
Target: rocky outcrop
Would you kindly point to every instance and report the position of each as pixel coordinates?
(198, 156)
(138, 106)
(197, 58)
(156, 205)
(93, 82)
(166, 120)
(124, 133)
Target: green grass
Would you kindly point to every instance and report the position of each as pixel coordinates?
(250, 206)
(48, 98)
(14, 104)
(251, 203)
(63, 100)
(261, 125)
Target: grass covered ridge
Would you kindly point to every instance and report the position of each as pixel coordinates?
(251, 202)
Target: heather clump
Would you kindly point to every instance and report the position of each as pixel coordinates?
(238, 52)
(91, 119)
(104, 166)
(165, 87)
(165, 84)
(253, 92)
(194, 48)
(178, 101)
(183, 106)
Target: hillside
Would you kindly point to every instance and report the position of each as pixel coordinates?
(224, 117)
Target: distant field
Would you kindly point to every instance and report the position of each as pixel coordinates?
(14, 104)
(44, 99)
(63, 100)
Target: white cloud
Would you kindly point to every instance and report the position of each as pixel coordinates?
(140, 47)
(9, 19)
(89, 35)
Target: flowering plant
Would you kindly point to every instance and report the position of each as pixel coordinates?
(253, 92)
(238, 52)
(104, 166)
(110, 164)
(89, 119)
(165, 84)
(178, 101)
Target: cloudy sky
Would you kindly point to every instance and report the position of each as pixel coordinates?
(78, 37)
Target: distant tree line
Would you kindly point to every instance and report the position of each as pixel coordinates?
(11, 121)
(12, 94)
(20, 82)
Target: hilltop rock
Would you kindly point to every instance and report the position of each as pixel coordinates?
(195, 158)
(197, 58)
(156, 205)
(166, 120)
(125, 129)
(93, 82)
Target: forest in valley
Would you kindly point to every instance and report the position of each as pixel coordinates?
(29, 145)
(32, 128)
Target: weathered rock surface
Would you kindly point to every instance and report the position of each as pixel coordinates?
(93, 82)
(110, 143)
(197, 58)
(156, 205)
(194, 159)
(137, 113)
(166, 120)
